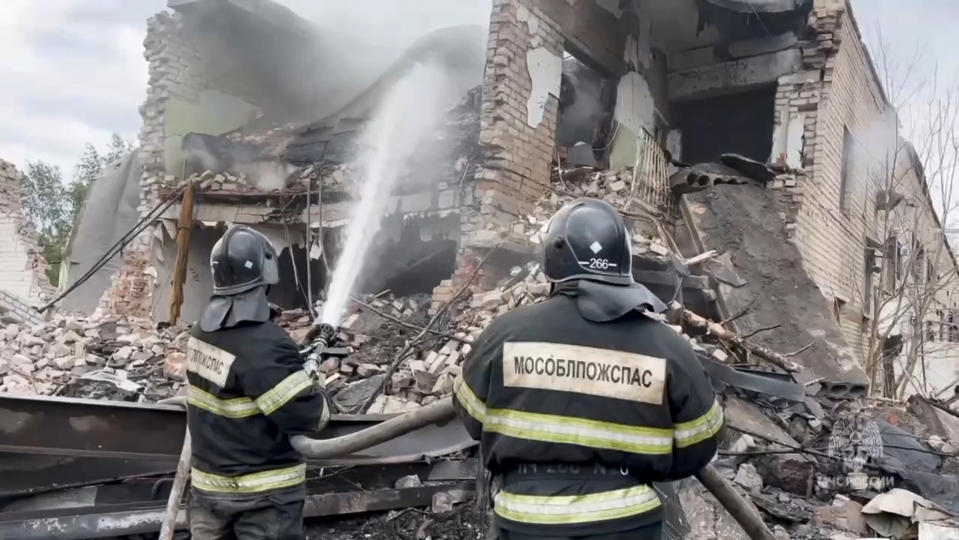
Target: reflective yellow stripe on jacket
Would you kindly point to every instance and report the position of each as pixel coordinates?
(240, 407)
(699, 429)
(284, 391)
(566, 429)
(573, 509)
(250, 483)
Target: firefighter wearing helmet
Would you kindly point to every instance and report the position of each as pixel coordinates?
(248, 393)
(581, 402)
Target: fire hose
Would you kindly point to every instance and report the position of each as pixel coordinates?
(743, 511)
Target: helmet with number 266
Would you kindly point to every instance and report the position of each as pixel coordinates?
(587, 239)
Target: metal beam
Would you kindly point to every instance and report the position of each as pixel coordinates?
(137, 518)
(89, 428)
(112, 429)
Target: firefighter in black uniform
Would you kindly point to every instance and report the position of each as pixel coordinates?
(581, 401)
(248, 393)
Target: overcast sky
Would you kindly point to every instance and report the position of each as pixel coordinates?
(72, 71)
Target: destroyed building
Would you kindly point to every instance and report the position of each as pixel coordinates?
(256, 131)
(659, 90)
(23, 278)
(739, 139)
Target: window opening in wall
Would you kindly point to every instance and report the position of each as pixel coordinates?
(586, 103)
(740, 123)
(846, 181)
(892, 263)
(837, 305)
(918, 264)
(941, 333)
(872, 268)
(930, 331)
(952, 319)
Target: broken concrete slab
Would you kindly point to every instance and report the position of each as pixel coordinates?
(749, 167)
(844, 514)
(903, 450)
(707, 81)
(742, 415)
(749, 478)
(706, 516)
(766, 44)
(745, 223)
(938, 421)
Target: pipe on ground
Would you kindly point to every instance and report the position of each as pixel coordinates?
(743, 511)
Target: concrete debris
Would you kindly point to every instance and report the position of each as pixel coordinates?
(843, 514)
(783, 453)
(409, 481)
(787, 456)
(124, 359)
(444, 501)
(894, 513)
(571, 184)
(749, 478)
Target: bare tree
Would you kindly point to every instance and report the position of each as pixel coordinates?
(910, 199)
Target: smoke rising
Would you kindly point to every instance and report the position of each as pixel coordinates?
(410, 110)
(365, 37)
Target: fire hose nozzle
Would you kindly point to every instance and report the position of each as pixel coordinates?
(324, 336)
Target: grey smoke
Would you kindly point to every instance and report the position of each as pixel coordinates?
(311, 73)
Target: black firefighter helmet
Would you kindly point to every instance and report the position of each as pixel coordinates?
(244, 265)
(587, 239)
(587, 254)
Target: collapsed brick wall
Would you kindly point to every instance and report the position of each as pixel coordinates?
(516, 155)
(836, 91)
(166, 58)
(176, 69)
(22, 265)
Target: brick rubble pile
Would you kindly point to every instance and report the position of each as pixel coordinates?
(121, 359)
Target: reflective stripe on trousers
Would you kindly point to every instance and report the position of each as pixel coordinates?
(576, 509)
(249, 483)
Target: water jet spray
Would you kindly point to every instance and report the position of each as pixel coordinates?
(410, 109)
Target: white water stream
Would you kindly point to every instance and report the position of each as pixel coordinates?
(408, 113)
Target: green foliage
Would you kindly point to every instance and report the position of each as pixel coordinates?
(54, 206)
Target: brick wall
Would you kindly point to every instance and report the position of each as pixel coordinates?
(167, 57)
(837, 91)
(22, 266)
(176, 69)
(516, 156)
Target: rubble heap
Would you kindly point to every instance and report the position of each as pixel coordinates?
(571, 184)
(819, 462)
(120, 359)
